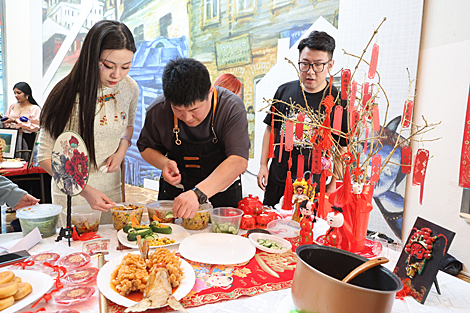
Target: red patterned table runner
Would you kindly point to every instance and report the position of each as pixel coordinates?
(219, 282)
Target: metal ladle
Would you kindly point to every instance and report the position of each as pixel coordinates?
(364, 267)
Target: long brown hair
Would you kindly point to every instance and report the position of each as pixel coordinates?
(84, 80)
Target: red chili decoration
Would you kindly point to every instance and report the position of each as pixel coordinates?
(299, 126)
(419, 172)
(407, 111)
(373, 61)
(376, 163)
(338, 121)
(345, 78)
(289, 136)
(406, 154)
(281, 145)
(271, 137)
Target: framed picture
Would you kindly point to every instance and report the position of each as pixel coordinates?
(8, 138)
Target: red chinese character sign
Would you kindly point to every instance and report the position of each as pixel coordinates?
(70, 167)
(421, 258)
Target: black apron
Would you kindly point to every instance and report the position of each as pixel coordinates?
(196, 161)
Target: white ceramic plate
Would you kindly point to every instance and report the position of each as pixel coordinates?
(178, 234)
(103, 281)
(11, 164)
(254, 240)
(214, 248)
(41, 284)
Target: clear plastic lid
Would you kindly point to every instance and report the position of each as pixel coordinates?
(73, 295)
(39, 211)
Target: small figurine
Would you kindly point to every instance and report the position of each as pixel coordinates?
(307, 209)
(300, 187)
(335, 219)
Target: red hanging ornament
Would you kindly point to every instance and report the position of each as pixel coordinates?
(289, 136)
(271, 137)
(373, 61)
(338, 121)
(300, 166)
(419, 172)
(375, 173)
(288, 190)
(345, 78)
(325, 131)
(316, 159)
(299, 126)
(354, 122)
(407, 111)
(376, 118)
(406, 155)
(281, 145)
(352, 96)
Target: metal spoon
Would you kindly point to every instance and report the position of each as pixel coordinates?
(364, 267)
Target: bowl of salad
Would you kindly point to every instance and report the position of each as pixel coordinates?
(83, 217)
(226, 220)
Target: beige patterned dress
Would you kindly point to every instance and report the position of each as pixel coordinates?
(120, 105)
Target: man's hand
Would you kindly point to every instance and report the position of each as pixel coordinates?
(96, 199)
(186, 204)
(171, 173)
(263, 175)
(27, 200)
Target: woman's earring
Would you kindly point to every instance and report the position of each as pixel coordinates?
(27, 97)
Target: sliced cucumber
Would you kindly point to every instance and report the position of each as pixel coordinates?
(132, 236)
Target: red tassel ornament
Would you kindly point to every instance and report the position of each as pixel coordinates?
(289, 189)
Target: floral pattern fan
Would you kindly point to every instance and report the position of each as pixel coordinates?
(70, 171)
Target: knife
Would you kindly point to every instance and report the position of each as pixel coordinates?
(103, 300)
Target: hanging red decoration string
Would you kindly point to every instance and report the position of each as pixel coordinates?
(271, 136)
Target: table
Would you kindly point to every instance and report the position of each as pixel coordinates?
(455, 292)
(25, 173)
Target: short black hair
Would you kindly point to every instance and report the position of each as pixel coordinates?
(318, 41)
(185, 81)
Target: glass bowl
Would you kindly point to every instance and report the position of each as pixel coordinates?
(83, 217)
(160, 209)
(226, 220)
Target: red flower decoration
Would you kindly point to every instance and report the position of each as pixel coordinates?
(73, 140)
(77, 167)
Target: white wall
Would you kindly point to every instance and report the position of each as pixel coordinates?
(442, 93)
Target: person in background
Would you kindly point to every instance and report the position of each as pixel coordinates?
(230, 82)
(197, 134)
(97, 100)
(13, 196)
(315, 62)
(23, 115)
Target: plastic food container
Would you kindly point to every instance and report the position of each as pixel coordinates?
(226, 220)
(160, 209)
(122, 216)
(42, 216)
(42, 257)
(77, 259)
(73, 295)
(82, 275)
(200, 220)
(83, 217)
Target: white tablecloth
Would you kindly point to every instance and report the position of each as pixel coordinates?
(455, 296)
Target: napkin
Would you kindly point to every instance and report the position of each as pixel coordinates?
(26, 243)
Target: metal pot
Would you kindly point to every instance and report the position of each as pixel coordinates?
(317, 285)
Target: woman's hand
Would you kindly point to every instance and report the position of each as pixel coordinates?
(114, 161)
(96, 199)
(9, 120)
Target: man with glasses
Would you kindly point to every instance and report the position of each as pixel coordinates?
(315, 64)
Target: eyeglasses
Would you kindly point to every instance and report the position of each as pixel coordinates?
(316, 67)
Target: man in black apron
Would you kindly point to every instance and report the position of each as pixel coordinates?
(197, 134)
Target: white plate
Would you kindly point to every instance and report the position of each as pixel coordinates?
(41, 284)
(254, 240)
(103, 281)
(214, 248)
(178, 234)
(11, 164)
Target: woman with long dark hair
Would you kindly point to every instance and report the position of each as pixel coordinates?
(23, 115)
(98, 101)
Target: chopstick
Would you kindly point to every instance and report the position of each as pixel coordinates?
(102, 298)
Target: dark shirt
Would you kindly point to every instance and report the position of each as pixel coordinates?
(291, 92)
(230, 126)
